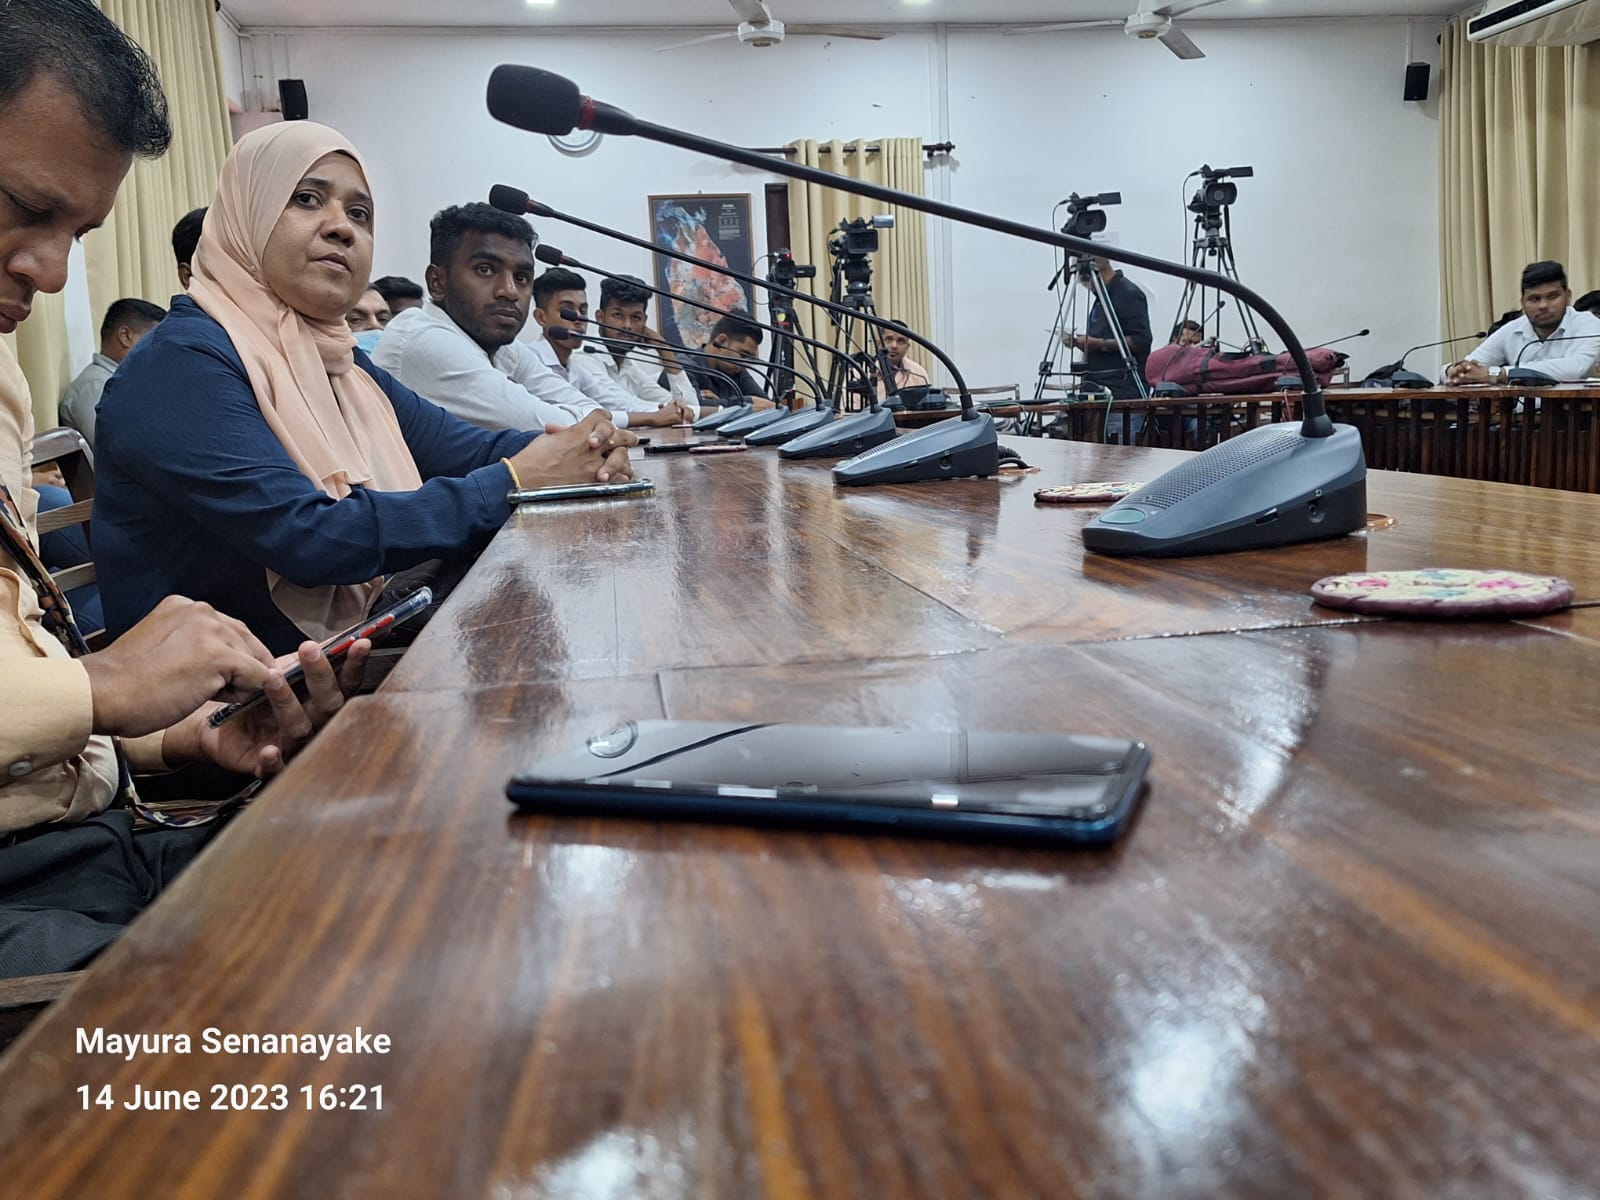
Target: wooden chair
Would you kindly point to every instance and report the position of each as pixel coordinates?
(67, 449)
(21, 1000)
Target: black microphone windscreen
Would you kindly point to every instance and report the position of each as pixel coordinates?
(535, 100)
(548, 255)
(508, 199)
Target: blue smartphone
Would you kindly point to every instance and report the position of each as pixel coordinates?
(1048, 788)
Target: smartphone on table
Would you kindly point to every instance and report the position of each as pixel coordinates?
(336, 649)
(1047, 788)
(583, 491)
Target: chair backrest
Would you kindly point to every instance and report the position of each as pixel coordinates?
(1005, 393)
(66, 448)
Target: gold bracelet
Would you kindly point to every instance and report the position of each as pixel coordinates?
(515, 482)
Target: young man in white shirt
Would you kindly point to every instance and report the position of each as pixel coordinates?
(622, 320)
(1550, 337)
(561, 310)
(460, 349)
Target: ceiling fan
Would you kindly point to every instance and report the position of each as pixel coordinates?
(1143, 23)
(758, 27)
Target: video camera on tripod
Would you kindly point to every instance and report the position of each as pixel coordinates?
(1215, 191)
(850, 244)
(786, 272)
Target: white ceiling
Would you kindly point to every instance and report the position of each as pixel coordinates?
(704, 14)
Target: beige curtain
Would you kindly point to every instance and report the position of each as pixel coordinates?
(40, 344)
(1519, 176)
(131, 255)
(900, 268)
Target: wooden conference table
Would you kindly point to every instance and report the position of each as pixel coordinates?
(1345, 952)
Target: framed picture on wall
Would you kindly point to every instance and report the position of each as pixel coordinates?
(714, 229)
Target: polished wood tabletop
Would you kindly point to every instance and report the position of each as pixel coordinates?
(1342, 952)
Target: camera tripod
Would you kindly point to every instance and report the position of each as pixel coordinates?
(1213, 238)
(858, 341)
(1076, 268)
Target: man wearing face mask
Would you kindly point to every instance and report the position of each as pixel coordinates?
(367, 318)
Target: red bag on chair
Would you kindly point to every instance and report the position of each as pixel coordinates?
(1199, 369)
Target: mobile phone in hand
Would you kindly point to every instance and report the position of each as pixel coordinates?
(336, 649)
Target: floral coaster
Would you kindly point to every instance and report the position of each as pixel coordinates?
(1444, 592)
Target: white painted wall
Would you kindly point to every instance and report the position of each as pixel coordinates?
(1339, 227)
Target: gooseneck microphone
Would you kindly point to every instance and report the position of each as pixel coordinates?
(939, 451)
(850, 436)
(551, 256)
(1522, 376)
(1270, 486)
(1395, 374)
(1347, 337)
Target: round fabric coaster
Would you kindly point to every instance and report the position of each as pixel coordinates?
(1444, 592)
(1084, 493)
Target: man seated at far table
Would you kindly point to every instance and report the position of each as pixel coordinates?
(623, 323)
(723, 376)
(1550, 337)
(561, 310)
(907, 371)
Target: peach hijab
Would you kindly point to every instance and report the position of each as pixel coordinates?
(334, 421)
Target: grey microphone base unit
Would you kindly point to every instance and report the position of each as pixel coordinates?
(1270, 487)
(953, 449)
(721, 416)
(752, 423)
(842, 438)
(792, 426)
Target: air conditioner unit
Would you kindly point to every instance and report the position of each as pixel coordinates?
(1536, 23)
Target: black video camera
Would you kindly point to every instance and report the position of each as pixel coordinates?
(786, 272)
(1084, 219)
(858, 238)
(1215, 191)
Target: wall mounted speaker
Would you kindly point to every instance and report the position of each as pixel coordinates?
(1416, 81)
(292, 98)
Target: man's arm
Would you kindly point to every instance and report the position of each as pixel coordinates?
(450, 370)
(1494, 350)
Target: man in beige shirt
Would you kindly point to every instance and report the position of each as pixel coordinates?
(77, 101)
(907, 371)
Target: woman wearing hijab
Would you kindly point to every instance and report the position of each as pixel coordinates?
(250, 456)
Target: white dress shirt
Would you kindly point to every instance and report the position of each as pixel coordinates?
(434, 357)
(1517, 345)
(637, 378)
(592, 380)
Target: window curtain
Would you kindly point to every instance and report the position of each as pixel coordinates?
(1519, 143)
(131, 254)
(900, 268)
